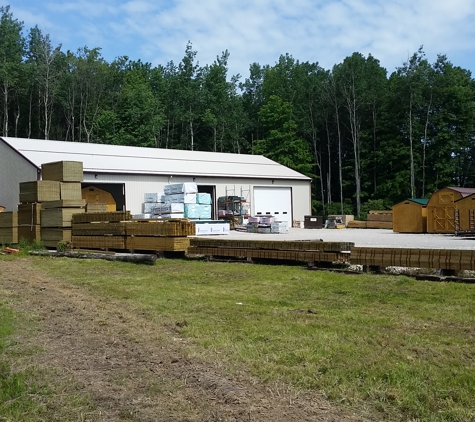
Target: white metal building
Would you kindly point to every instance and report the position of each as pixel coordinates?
(129, 172)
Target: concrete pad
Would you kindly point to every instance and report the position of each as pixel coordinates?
(363, 237)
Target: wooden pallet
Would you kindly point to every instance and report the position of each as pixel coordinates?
(8, 235)
(59, 217)
(99, 228)
(449, 259)
(157, 243)
(98, 242)
(8, 219)
(273, 244)
(63, 171)
(296, 255)
(112, 216)
(161, 227)
(39, 191)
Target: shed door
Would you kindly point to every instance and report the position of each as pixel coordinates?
(273, 201)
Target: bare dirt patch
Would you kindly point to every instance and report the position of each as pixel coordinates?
(133, 368)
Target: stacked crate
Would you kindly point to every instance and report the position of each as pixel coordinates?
(100, 230)
(32, 195)
(117, 230)
(8, 228)
(56, 215)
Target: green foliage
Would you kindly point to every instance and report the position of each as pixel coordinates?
(334, 208)
(26, 246)
(373, 205)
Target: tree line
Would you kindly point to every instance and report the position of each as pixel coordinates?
(363, 136)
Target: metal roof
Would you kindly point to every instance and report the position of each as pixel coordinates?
(420, 201)
(463, 191)
(102, 158)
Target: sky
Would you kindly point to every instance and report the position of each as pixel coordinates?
(317, 31)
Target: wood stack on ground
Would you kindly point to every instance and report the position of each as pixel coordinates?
(56, 215)
(447, 259)
(306, 251)
(117, 230)
(380, 219)
(8, 228)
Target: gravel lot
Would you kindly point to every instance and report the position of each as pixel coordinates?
(365, 237)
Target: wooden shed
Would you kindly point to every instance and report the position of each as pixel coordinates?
(441, 206)
(465, 214)
(410, 216)
(93, 194)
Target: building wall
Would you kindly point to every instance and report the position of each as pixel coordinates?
(13, 170)
(137, 185)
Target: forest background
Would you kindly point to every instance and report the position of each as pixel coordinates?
(367, 139)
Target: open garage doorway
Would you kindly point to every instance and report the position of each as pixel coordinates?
(116, 190)
(211, 189)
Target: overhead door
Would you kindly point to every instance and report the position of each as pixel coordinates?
(273, 201)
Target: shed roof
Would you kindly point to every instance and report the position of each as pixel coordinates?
(466, 197)
(102, 158)
(463, 191)
(420, 201)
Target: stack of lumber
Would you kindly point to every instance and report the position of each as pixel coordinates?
(56, 215)
(380, 219)
(8, 228)
(357, 224)
(449, 259)
(309, 251)
(117, 230)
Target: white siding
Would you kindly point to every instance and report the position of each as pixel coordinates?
(137, 185)
(13, 170)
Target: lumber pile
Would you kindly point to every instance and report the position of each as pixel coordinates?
(307, 251)
(374, 220)
(56, 212)
(8, 228)
(118, 230)
(448, 259)
(380, 219)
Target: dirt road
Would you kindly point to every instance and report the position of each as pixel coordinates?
(131, 367)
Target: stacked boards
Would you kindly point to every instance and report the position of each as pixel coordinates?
(310, 251)
(8, 228)
(379, 219)
(117, 230)
(47, 205)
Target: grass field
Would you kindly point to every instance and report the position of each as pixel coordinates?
(401, 347)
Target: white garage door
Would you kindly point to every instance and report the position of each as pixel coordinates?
(270, 201)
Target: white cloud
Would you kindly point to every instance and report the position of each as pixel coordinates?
(324, 31)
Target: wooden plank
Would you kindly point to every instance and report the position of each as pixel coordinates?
(8, 219)
(63, 171)
(272, 244)
(99, 228)
(39, 191)
(8, 235)
(112, 216)
(64, 203)
(71, 191)
(161, 227)
(29, 232)
(29, 214)
(157, 243)
(59, 217)
(98, 242)
(304, 256)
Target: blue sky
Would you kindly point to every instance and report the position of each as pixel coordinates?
(323, 31)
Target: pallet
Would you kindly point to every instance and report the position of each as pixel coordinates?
(448, 259)
(112, 216)
(273, 244)
(157, 243)
(304, 256)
